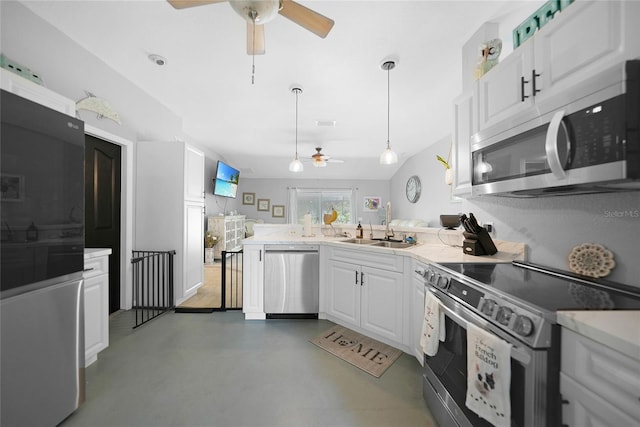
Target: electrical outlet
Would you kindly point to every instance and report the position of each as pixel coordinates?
(488, 226)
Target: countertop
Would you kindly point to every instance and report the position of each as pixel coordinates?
(426, 252)
(90, 253)
(617, 329)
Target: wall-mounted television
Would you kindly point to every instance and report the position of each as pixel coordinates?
(225, 183)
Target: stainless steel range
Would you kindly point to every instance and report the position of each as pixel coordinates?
(517, 302)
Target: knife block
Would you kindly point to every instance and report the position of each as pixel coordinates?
(478, 243)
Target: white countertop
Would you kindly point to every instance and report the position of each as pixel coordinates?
(425, 252)
(90, 253)
(617, 329)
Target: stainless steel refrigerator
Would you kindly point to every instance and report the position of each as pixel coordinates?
(41, 295)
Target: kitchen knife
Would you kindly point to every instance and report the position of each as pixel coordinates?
(474, 224)
(463, 221)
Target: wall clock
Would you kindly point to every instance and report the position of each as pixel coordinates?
(413, 189)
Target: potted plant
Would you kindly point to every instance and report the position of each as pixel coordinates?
(448, 173)
(210, 240)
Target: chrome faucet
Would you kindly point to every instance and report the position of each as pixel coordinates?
(388, 232)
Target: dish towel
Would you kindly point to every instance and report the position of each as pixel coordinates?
(432, 326)
(488, 376)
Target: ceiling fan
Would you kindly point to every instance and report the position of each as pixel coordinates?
(259, 12)
(320, 160)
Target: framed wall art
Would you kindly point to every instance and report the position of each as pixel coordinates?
(371, 203)
(264, 204)
(248, 198)
(12, 188)
(278, 211)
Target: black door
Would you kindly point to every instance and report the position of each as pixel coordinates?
(102, 206)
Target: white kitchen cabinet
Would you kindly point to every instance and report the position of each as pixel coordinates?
(170, 208)
(417, 311)
(465, 124)
(96, 303)
(599, 385)
(25, 88)
(363, 296)
(230, 231)
(581, 41)
(253, 282)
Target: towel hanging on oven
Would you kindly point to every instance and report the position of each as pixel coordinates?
(488, 376)
(433, 325)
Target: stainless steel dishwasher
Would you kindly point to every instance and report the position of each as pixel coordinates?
(291, 280)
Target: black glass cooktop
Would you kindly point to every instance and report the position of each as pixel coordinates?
(551, 290)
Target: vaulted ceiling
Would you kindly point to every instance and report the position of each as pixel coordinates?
(207, 77)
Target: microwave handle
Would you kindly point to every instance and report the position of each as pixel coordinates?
(551, 145)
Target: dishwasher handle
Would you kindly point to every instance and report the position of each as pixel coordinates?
(284, 248)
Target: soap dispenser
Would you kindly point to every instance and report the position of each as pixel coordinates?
(32, 233)
(359, 231)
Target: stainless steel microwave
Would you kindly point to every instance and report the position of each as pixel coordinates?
(589, 144)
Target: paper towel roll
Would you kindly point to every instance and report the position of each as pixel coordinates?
(307, 225)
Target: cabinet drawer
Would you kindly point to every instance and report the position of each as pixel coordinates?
(370, 259)
(96, 266)
(582, 407)
(604, 371)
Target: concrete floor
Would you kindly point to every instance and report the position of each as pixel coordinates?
(220, 370)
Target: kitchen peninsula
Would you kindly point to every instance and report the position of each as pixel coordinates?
(382, 306)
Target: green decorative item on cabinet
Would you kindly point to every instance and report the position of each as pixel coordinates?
(20, 70)
(538, 20)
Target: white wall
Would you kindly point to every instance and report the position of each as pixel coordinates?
(276, 191)
(550, 226)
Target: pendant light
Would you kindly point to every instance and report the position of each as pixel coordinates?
(296, 164)
(388, 156)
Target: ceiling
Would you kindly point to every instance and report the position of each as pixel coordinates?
(207, 77)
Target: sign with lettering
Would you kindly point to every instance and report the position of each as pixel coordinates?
(538, 20)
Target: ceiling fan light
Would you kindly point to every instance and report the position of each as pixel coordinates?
(388, 156)
(296, 165)
(263, 10)
(319, 163)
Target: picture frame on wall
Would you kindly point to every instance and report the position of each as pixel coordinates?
(248, 198)
(278, 211)
(264, 204)
(371, 203)
(12, 188)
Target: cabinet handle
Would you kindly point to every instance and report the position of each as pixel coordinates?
(356, 277)
(522, 83)
(533, 82)
(87, 269)
(361, 278)
(260, 255)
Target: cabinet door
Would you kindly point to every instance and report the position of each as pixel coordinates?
(96, 316)
(193, 174)
(343, 293)
(501, 89)
(253, 281)
(193, 252)
(417, 316)
(582, 407)
(465, 124)
(382, 302)
(581, 41)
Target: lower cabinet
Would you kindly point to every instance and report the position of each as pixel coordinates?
(366, 297)
(417, 317)
(599, 386)
(96, 303)
(253, 282)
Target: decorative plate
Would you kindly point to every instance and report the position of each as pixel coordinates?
(591, 259)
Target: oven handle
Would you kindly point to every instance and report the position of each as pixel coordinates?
(518, 353)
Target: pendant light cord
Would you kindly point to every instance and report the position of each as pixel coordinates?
(297, 91)
(388, 104)
(253, 15)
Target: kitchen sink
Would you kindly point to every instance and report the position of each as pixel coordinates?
(360, 241)
(394, 245)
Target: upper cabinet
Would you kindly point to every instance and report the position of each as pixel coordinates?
(581, 41)
(14, 83)
(465, 124)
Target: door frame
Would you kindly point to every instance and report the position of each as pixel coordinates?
(126, 210)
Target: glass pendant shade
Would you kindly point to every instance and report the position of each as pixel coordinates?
(296, 165)
(388, 156)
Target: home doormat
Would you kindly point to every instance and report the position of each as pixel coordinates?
(363, 352)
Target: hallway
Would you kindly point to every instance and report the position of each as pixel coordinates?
(220, 370)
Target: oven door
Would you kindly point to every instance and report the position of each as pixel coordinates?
(534, 392)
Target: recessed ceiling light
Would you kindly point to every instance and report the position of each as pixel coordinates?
(157, 59)
(326, 123)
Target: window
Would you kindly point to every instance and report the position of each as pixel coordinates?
(318, 201)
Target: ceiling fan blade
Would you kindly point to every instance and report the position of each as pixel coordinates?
(255, 46)
(183, 4)
(334, 161)
(318, 24)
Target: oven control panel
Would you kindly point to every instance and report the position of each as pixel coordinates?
(496, 308)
